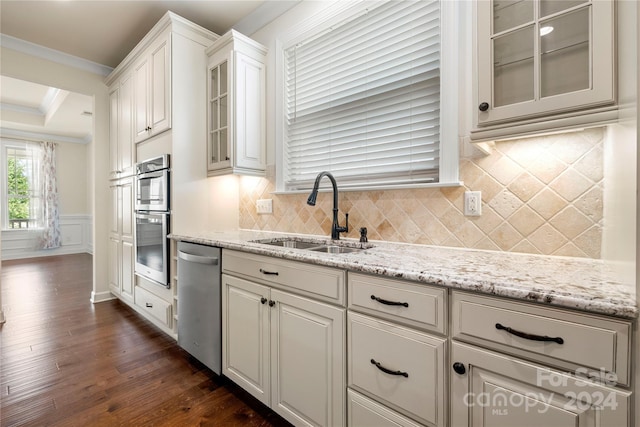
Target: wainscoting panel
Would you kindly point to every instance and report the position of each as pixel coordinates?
(76, 238)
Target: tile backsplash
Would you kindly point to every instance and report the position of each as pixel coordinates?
(540, 195)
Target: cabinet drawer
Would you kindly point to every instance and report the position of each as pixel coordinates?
(416, 305)
(401, 367)
(154, 305)
(363, 411)
(322, 283)
(556, 337)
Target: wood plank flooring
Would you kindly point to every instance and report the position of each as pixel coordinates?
(67, 362)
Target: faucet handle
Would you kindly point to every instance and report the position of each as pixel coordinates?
(346, 222)
(363, 235)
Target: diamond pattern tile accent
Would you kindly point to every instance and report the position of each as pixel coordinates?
(540, 195)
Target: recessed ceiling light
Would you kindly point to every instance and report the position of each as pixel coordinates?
(545, 30)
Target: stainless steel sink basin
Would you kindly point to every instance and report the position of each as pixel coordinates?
(332, 249)
(298, 244)
(324, 246)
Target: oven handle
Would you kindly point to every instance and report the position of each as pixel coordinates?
(156, 174)
(150, 214)
(197, 258)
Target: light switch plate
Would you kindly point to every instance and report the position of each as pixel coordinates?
(264, 206)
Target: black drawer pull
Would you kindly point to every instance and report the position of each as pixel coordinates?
(527, 336)
(274, 273)
(149, 305)
(389, 371)
(385, 302)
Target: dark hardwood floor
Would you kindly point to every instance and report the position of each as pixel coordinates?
(67, 362)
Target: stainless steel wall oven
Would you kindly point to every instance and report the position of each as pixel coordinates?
(152, 220)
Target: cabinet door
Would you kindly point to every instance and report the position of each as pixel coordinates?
(490, 389)
(126, 270)
(218, 153)
(541, 57)
(126, 209)
(114, 211)
(114, 265)
(248, 119)
(159, 91)
(126, 148)
(114, 115)
(245, 336)
(307, 361)
(141, 99)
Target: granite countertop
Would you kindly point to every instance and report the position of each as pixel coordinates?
(576, 283)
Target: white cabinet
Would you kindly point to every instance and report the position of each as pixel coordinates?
(285, 349)
(236, 106)
(521, 364)
(121, 147)
(396, 370)
(400, 367)
(158, 101)
(493, 390)
(152, 99)
(121, 239)
(543, 65)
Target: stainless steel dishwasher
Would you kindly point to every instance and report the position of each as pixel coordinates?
(199, 298)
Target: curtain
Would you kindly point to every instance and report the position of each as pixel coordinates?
(50, 218)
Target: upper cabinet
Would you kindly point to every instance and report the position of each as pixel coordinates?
(152, 101)
(122, 155)
(543, 65)
(164, 63)
(236, 106)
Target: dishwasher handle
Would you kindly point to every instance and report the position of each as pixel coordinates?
(197, 258)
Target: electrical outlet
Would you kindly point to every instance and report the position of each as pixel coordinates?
(472, 203)
(264, 206)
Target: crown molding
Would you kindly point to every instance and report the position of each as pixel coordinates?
(41, 136)
(53, 55)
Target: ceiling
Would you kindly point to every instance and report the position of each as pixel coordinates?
(103, 32)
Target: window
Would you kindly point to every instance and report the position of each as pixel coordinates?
(364, 99)
(20, 184)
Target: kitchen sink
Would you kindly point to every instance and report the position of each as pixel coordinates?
(297, 244)
(333, 249)
(315, 245)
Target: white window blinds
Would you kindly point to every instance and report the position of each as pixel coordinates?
(363, 99)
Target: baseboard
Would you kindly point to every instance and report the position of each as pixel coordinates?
(103, 296)
(43, 253)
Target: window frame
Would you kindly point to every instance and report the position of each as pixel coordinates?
(452, 14)
(5, 145)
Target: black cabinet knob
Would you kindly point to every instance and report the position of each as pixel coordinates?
(459, 368)
(272, 303)
(263, 300)
(483, 106)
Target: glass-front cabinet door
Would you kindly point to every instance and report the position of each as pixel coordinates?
(218, 144)
(543, 57)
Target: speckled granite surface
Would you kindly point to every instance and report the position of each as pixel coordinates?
(576, 283)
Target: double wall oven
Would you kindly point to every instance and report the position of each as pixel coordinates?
(152, 210)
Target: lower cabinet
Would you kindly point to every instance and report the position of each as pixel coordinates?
(362, 411)
(401, 367)
(286, 350)
(153, 305)
(121, 261)
(494, 390)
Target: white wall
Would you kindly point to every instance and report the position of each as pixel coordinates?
(31, 68)
(73, 186)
